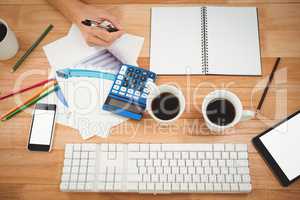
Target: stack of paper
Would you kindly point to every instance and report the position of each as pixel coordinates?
(85, 96)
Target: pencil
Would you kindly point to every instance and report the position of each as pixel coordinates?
(26, 89)
(268, 84)
(39, 92)
(34, 45)
(30, 103)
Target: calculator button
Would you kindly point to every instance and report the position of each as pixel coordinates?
(118, 82)
(150, 79)
(116, 87)
(135, 98)
(130, 91)
(120, 77)
(131, 85)
(123, 89)
(151, 75)
(121, 93)
(130, 69)
(125, 84)
(143, 78)
(146, 90)
(129, 95)
(139, 88)
(136, 76)
(137, 71)
(144, 95)
(137, 93)
(123, 70)
(145, 73)
(114, 91)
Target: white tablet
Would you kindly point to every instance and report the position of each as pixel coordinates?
(280, 147)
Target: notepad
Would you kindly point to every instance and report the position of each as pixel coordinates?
(205, 40)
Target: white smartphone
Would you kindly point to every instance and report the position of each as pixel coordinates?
(42, 127)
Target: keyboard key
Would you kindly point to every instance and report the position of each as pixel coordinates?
(243, 170)
(133, 147)
(241, 147)
(150, 186)
(200, 187)
(242, 155)
(142, 187)
(244, 187)
(184, 187)
(218, 147)
(209, 187)
(155, 147)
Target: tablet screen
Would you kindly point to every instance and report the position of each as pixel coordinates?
(283, 143)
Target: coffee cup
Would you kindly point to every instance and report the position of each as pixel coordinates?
(165, 103)
(222, 109)
(9, 45)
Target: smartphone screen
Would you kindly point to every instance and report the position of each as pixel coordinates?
(42, 126)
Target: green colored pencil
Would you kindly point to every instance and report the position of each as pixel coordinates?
(30, 103)
(34, 45)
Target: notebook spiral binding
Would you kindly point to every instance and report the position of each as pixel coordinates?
(204, 40)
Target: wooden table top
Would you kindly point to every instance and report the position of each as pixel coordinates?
(32, 175)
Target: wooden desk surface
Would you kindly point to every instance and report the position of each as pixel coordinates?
(27, 175)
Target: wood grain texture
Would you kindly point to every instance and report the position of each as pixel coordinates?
(26, 175)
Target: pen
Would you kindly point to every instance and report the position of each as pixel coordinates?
(34, 45)
(268, 85)
(103, 24)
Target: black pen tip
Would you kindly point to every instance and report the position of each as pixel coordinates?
(86, 22)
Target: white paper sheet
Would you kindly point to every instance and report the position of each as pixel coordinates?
(85, 98)
(72, 51)
(233, 42)
(175, 40)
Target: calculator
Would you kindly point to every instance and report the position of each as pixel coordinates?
(129, 92)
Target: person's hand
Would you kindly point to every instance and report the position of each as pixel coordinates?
(95, 35)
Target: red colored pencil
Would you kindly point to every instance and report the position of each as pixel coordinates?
(26, 89)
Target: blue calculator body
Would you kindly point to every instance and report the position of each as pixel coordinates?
(129, 93)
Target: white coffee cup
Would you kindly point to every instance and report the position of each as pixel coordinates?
(9, 46)
(156, 91)
(240, 114)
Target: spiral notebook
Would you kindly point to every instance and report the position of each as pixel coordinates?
(205, 40)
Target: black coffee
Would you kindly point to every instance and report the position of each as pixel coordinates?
(165, 106)
(3, 31)
(220, 112)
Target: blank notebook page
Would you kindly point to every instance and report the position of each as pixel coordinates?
(233, 41)
(176, 40)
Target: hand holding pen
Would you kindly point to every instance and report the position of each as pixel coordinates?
(98, 26)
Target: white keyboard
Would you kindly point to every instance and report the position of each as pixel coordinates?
(156, 168)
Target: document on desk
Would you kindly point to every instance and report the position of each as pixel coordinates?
(205, 40)
(72, 51)
(85, 98)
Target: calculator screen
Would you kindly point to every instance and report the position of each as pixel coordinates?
(127, 106)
